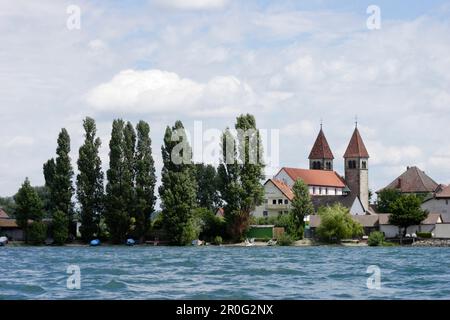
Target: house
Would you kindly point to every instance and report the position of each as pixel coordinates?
(413, 181)
(369, 223)
(9, 227)
(391, 231)
(439, 202)
(325, 185)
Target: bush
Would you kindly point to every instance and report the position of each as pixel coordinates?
(209, 224)
(426, 235)
(376, 238)
(217, 240)
(337, 224)
(60, 226)
(285, 240)
(37, 233)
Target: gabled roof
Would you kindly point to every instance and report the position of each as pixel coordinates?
(356, 147)
(413, 180)
(284, 188)
(324, 201)
(315, 177)
(444, 193)
(3, 214)
(321, 148)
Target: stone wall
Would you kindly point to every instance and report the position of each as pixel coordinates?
(432, 243)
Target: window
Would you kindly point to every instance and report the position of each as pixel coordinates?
(320, 190)
(364, 165)
(265, 213)
(280, 201)
(446, 202)
(266, 201)
(316, 165)
(352, 164)
(326, 191)
(328, 165)
(274, 201)
(314, 190)
(286, 201)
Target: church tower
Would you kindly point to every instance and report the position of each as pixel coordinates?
(321, 157)
(357, 168)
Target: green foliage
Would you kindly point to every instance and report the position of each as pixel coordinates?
(407, 211)
(376, 238)
(37, 233)
(386, 198)
(337, 224)
(425, 235)
(145, 180)
(210, 225)
(291, 225)
(179, 189)
(60, 227)
(217, 240)
(118, 187)
(8, 205)
(240, 181)
(285, 240)
(301, 204)
(45, 196)
(207, 193)
(28, 206)
(90, 191)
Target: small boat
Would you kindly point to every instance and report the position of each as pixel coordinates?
(197, 242)
(94, 243)
(3, 241)
(249, 243)
(131, 242)
(272, 242)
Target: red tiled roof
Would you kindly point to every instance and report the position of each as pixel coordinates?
(284, 188)
(321, 148)
(315, 177)
(413, 180)
(356, 147)
(3, 214)
(444, 193)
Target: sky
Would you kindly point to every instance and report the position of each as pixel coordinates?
(292, 64)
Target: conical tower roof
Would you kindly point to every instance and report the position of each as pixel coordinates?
(356, 147)
(321, 148)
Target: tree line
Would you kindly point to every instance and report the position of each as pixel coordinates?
(121, 203)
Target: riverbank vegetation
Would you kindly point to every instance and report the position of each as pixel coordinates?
(337, 224)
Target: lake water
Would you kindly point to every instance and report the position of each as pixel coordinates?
(224, 272)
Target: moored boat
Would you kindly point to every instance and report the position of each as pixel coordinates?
(94, 243)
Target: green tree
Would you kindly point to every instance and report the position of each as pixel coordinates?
(337, 224)
(37, 232)
(28, 207)
(8, 205)
(406, 211)
(386, 198)
(207, 195)
(301, 204)
(240, 174)
(90, 190)
(129, 172)
(145, 180)
(179, 189)
(117, 217)
(60, 230)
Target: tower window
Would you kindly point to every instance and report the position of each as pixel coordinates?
(328, 165)
(364, 165)
(352, 164)
(316, 165)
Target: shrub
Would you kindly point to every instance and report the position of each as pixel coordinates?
(426, 235)
(217, 240)
(285, 240)
(337, 224)
(37, 233)
(376, 238)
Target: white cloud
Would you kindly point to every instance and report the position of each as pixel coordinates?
(192, 4)
(157, 91)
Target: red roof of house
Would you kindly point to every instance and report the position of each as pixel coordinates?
(356, 147)
(3, 214)
(444, 193)
(321, 148)
(315, 177)
(284, 188)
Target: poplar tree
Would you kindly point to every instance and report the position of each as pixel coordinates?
(145, 180)
(207, 195)
(129, 172)
(301, 205)
(179, 188)
(117, 188)
(90, 190)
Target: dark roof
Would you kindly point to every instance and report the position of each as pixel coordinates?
(364, 220)
(284, 188)
(324, 201)
(413, 180)
(315, 177)
(321, 148)
(444, 193)
(356, 147)
(3, 214)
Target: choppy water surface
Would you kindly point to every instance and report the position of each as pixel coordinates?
(224, 273)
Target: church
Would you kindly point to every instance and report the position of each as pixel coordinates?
(326, 186)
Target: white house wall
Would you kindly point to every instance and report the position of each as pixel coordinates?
(437, 206)
(442, 230)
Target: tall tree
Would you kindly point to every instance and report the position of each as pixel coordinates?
(49, 169)
(129, 149)
(28, 206)
(178, 189)
(90, 190)
(145, 180)
(117, 216)
(207, 180)
(386, 198)
(407, 211)
(241, 174)
(301, 204)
